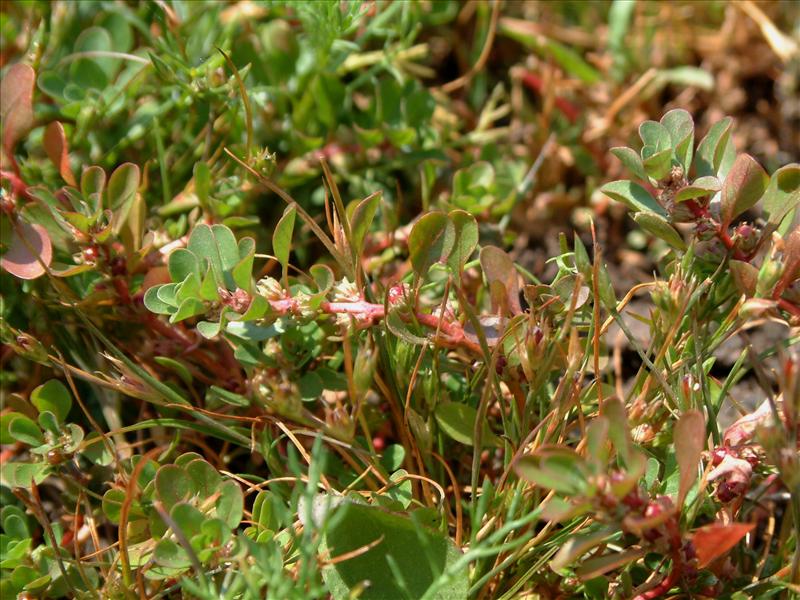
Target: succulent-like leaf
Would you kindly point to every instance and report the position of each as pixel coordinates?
(783, 193)
(700, 187)
(16, 104)
(689, 438)
(499, 270)
(25, 430)
(715, 540)
(122, 189)
(633, 195)
(466, 239)
(30, 251)
(55, 144)
(431, 240)
(631, 160)
(660, 227)
(458, 421)
(680, 126)
(361, 221)
(714, 150)
(743, 187)
(52, 396)
(282, 236)
(173, 485)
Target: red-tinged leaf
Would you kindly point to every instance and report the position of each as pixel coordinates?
(690, 440)
(744, 185)
(791, 253)
(594, 567)
(745, 276)
(155, 276)
(713, 541)
(55, 144)
(27, 253)
(499, 269)
(16, 104)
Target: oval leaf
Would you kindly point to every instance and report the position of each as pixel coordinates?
(431, 240)
(633, 196)
(16, 104)
(690, 439)
(55, 144)
(30, 251)
(52, 396)
(743, 186)
(660, 227)
(783, 193)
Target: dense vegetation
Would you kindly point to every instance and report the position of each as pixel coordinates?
(373, 300)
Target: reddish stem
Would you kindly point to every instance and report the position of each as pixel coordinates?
(701, 212)
(535, 83)
(453, 331)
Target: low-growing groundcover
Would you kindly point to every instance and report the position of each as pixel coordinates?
(268, 331)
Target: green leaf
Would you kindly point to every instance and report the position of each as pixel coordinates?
(173, 485)
(188, 518)
(631, 160)
(430, 241)
(680, 126)
(282, 237)
(655, 135)
(54, 397)
(700, 187)
(188, 288)
(188, 308)
(202, 183)
(208, 329)
(5, 421)
(48, 422)
(20, 475)
(556, 468)
(744, 185)
(169, 554)
(94, 72)
(182, 262)
(458, 421)
(660, 227)
(121, 193)
(25, 430)
(226, 396)
(404, 557)
(208, 287)
(466, 239)
(361, 220)
(783, 193)
(396, 325)
(154, 304)
(657, 163)
(205, 478)
(113, 500)
(714, 149)
(577, 545)
(230, 506)
(217, 245)
(176, 366)
(243, 271)
(633, 196)
(582, 262)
